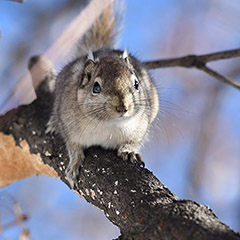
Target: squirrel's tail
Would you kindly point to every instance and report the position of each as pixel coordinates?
(102, 33)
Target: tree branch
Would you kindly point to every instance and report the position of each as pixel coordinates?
(199, 62)
(131, 197)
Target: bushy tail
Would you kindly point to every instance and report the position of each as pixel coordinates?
(102, 34)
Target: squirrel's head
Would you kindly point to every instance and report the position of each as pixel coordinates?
(109, 87)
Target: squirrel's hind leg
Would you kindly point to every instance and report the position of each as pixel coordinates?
(76, 156)
(51, 125)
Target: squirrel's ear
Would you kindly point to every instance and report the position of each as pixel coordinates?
(90, 55)
(87, 73)
(125, 56)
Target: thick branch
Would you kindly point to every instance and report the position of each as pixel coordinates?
(199, 62)
(131, 197)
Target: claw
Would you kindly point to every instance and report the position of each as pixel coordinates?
(139, 161)
(123, 155)
(72, 175)
(133, 157)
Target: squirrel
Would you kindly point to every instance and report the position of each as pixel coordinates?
(104, 97)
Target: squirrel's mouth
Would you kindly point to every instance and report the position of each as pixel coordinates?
(125, 115)
(123, 111)
(120, 112)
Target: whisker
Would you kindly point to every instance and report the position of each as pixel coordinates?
(92, 119)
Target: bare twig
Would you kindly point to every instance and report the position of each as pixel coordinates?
(15, 222)
(198, 61)
(18, 220)
(220, 77)
(192, 60)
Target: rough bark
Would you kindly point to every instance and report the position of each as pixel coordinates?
(130, 196)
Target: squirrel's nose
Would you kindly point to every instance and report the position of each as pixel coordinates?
(121, 109)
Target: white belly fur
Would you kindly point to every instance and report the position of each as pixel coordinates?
(110, 134)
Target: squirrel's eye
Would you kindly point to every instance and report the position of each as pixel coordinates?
(136, 84)
(96, 88)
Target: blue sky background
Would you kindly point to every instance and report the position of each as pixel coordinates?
(151, 30)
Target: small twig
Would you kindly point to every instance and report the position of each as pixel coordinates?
(16, 222)
(199, 62)
(220, 55)
(220, 77)
(187, 61)
(192, 60)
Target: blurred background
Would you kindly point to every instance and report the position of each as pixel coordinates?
(194, 148)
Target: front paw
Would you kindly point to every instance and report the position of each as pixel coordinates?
(133, 157)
